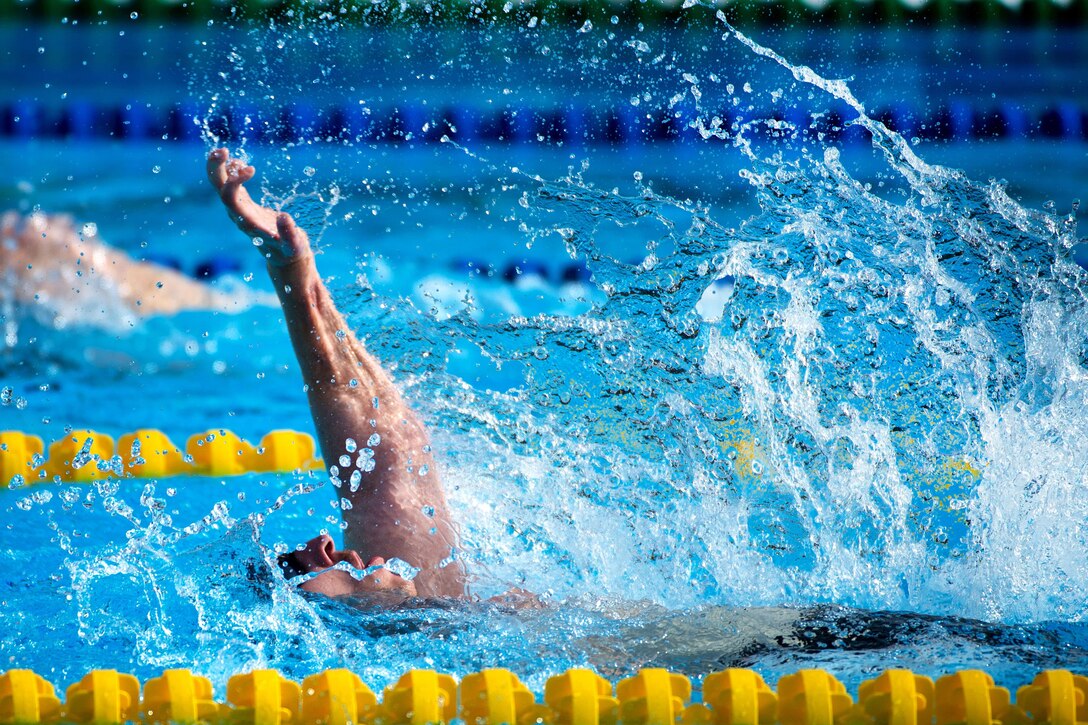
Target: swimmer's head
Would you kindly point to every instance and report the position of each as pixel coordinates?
(320, 554)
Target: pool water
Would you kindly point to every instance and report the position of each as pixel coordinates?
(865, 450)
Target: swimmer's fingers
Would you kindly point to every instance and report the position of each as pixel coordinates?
(229, 176)
(225, 173)
(237, 174)
(294, 242)
(217, 167)
(287, 228)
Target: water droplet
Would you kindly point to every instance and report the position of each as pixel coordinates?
(401, 568)
(448, 560)
(424, 470)
(428, 511)
(350, 445)
(258, 242)
(133, 15)
(374, 440)
(309, 171)
(345, 460)
(134, 452)
(156, 168)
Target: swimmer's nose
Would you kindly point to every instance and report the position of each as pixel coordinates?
(318, 553)
(326, 549)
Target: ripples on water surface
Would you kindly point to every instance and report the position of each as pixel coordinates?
(880, 409)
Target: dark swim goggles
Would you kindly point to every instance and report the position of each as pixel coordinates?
(289, 565)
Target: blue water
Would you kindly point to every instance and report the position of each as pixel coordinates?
(865, 452)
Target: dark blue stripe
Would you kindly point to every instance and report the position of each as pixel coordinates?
(621, 125)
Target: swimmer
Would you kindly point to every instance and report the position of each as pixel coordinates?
(399, 509)
(48, 266)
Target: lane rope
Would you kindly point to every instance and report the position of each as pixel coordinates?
(86, 455)
(575, 697)
(620, 125)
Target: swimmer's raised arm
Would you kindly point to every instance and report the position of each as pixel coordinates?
(399, 509)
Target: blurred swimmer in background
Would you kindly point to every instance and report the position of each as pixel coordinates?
(65, 275)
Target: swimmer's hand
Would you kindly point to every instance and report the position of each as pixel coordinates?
(281, 242)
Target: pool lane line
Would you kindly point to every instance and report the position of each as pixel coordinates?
(620, 125)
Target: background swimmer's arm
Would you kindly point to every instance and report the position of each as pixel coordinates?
(399, 508)
(152, 289)
(41, 255)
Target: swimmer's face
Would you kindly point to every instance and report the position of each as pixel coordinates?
(320, 554)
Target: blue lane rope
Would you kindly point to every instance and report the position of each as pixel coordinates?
(509, 271)
(81, 120)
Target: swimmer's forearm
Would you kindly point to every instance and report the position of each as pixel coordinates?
(326, 349)
(399, 508)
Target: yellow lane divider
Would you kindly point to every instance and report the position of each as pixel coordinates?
(86, 455)
(178, 696)
(576, 697)
(582, 697)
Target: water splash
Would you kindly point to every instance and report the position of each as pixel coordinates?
(145, 595)
(850, 431)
